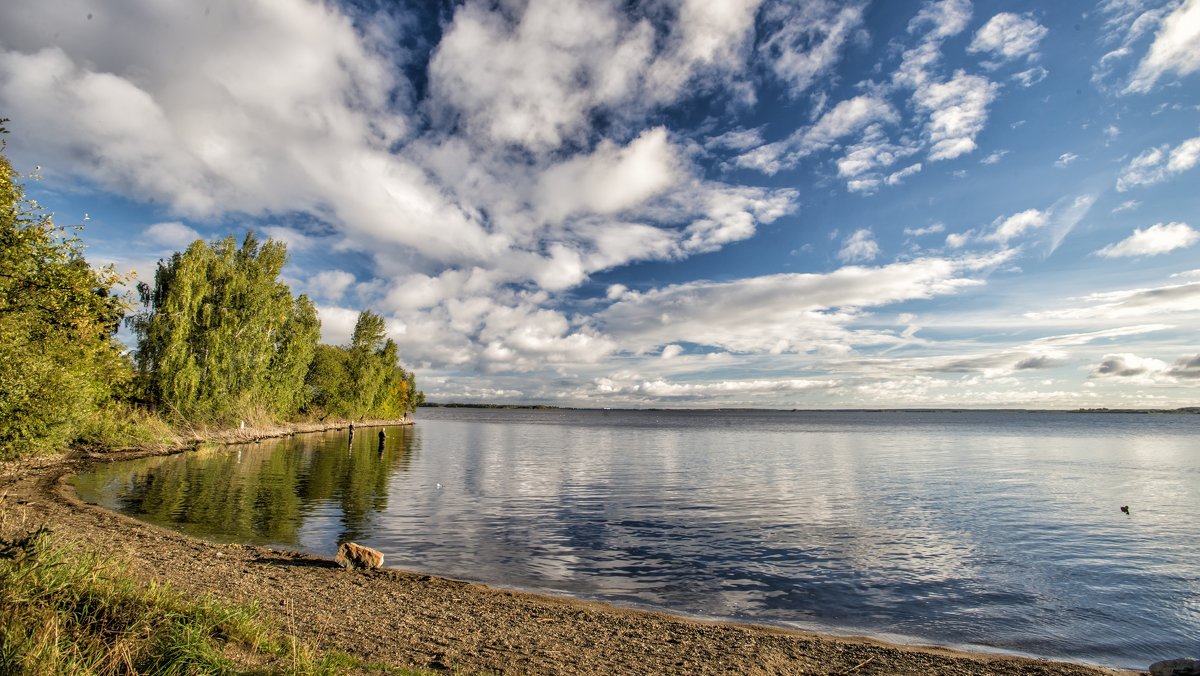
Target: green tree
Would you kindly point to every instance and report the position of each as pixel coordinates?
(58, 362)
(221, 338)
(362, 379)
(328, 382)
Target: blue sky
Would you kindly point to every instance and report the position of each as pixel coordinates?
(772, 203)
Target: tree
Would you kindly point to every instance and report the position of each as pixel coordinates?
(221, 338)
(58, 361)
(362, 379)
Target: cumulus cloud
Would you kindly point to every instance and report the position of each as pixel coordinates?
(1017, 225)
(1126, 24)
(1127, 365)
(172, 234)
(533, 77)
(873, 151)
(844, 119)
(957, 112)
(1155, 165)
(610, 179)
(941, 19)
(784, 312)
(859, 247)
(1176, 49)
(1157, 239)
(330, 285)
(805, 39)
(1187, 367)
(1008, 36)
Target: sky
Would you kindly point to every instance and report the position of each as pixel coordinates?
(669, 203)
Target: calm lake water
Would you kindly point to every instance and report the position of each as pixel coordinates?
(982, 529)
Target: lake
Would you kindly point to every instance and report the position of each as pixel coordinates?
(980, 529)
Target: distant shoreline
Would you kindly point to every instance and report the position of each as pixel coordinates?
(1183, 410)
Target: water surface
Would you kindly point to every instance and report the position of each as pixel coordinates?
(980, 529)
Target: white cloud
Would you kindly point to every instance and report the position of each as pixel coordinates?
(897, 177)
(610, 179)
(859, 247)
(994, 157)
(1176, 48)
(866, 186)
(805, 39)
(874, 151)
(534, 76)
(1126, 365)
(945, 18)
(1124, 304)
(957, 240)
(1017, 224)
(1065, 159)
(1158, 239)
(1029, 77)
(671, 351)
(172, 234)
(928, 230)
(1155, 165)
(1127, 205)
(1008, 36)
(330, 285)
(844, 119)
(1185, 156)
(783, 312)
(337, 324)
(736, 139)
(664, 389)
(1186, 367)
(957, 112)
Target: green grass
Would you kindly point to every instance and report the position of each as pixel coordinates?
(64, 610)
(119, 425)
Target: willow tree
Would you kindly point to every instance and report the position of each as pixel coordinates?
(58, 362)
(363, 379)
(221, 338)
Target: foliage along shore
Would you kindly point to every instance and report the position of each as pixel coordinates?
(221, 343)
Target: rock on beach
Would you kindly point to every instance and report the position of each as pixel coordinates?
(352, 555)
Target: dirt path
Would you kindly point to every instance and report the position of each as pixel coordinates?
(402, 618)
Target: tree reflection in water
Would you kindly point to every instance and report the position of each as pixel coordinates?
(263, 492)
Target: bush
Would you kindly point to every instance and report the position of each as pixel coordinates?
(58, 361)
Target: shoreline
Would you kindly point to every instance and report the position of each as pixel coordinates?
(405, 618)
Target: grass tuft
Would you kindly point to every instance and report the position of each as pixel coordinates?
(120, 425)
(64, 610)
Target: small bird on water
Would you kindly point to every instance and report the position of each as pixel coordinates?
(1125, 508)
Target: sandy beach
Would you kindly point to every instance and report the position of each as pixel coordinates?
(401, 618)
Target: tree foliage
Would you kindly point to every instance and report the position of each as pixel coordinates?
(58, 362)
(221, 338)
(364, 378)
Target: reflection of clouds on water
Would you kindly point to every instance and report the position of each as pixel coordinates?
(948, 527)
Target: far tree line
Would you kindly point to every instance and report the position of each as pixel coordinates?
(220, 339)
